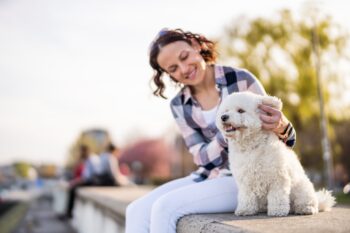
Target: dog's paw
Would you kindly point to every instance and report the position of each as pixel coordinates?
(279, 211)
(245, 212)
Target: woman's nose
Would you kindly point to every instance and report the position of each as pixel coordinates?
(184, 68)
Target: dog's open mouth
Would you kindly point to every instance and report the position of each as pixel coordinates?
(230, 128)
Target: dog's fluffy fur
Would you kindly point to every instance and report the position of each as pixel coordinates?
(268, 174)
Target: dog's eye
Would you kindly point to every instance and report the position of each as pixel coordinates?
(240, 110)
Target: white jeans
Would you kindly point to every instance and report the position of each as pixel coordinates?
(159, 211)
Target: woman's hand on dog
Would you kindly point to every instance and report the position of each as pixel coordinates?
(272, 119)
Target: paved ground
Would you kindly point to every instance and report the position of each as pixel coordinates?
(40, 218)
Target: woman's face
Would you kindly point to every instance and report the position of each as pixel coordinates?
(182, 62)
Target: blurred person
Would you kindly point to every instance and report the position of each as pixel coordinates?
(99, 170)
(110, 173)
(82, 180)
(79, 167)
(189, 61)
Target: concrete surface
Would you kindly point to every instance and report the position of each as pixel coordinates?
(40, 218)
(337, 220)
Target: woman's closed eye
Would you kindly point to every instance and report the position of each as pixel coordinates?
(172, 69)
(184, 56)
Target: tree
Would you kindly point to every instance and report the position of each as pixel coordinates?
(279, 52)
(95, 139)
(22, 169)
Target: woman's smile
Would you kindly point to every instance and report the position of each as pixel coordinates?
(192, 75)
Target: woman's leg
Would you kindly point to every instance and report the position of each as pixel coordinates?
(210, 196)
(138, 213)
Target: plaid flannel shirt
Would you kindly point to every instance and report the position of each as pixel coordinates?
(204, 141)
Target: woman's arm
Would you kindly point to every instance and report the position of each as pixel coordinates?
(118, 176)
(272, 119)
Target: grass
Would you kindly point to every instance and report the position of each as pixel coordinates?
(11, 219)
(342, 199)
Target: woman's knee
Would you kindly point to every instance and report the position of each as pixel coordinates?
(137, 217)
(164, 207)
(165, 213)
(135, 208)
(130, 208)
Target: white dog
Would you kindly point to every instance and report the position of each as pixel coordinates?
(269, 175)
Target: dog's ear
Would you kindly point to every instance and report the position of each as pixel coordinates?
(272, 101)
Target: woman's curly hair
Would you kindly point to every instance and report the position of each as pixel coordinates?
(167, 36)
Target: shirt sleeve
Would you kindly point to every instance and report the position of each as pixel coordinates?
(253, 84)
(205, 154)
(248, 82)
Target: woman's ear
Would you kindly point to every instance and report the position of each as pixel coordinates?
(272, 101)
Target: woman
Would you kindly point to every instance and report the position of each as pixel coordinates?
(189, 60)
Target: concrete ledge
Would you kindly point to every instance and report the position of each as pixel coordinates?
(112, 200)
(337, 220)
(102, 209)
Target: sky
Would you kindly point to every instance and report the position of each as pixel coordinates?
(72, 65)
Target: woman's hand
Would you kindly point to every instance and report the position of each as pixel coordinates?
(273, 119)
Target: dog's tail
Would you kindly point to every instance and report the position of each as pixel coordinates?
(325, 200)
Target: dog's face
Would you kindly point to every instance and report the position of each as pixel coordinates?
(238, 115)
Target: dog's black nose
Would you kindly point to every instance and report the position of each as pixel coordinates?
(224, 117)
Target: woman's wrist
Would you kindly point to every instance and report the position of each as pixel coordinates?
(284, 131)
(282, 127)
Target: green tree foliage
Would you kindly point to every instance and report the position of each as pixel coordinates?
(279, 51)
(22, 169)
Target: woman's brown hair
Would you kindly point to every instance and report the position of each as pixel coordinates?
(167, 36)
